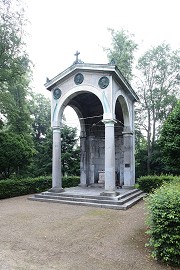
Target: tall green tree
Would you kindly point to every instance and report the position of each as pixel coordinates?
(15, 74)
(15, 67)
(70, 151)
(122, 51)
(13, 57)
(170, 141)
(40, 109)
(158, 91)
(15, 154)
(140, 154)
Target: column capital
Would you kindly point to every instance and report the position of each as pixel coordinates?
(109, 121)
(55, 127)
(127, 130)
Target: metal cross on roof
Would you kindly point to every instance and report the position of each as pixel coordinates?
(77, 61)
(77, 54)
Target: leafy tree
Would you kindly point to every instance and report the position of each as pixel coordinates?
(15, 153)
(70, 153)
(158, 91)
(15, 74)
(42, 159)
(140, 154)
(42, 135)
(122, 51)
(13, 57)
(18, 115)
(40, 110)
(170, 141)
(14, 67)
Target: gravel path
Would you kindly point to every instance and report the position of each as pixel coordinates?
(48, 236)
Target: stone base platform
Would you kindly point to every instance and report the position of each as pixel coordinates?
(91, 196)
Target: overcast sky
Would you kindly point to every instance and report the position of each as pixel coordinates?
(60, 27)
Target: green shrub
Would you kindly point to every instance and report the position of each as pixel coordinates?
(164, 223)
(151, 182)
(70, 181)
(17, 187)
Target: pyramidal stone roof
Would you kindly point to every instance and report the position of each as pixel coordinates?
(80, 66)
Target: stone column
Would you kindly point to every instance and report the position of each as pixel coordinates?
(109, 157)
(83, 170)
(56, 162)
(91, 159)
(129, 160)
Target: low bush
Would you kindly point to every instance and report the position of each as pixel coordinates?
(17, 187)
(150, 182)
(70, 181)
(164, 223)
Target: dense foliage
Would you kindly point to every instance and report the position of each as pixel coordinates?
(164, 223)
(16, 153)
(140, 154)
(122, 51)
(170, 141)
(17, 187)
(70, 156)
(16, 142)
(40, 111)
(157, 85)
(15, 68)
(151, 182)
(158, 92)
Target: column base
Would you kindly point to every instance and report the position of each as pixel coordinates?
(82, 185)
(56, 189)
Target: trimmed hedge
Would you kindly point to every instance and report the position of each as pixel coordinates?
(70, 181)
(164, 223)
(17, 187)
(149, 183)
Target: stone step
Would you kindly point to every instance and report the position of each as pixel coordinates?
(96, 201)
(130, 196)
(78, 199)
(128, 193)
(132, 202)
(69, 195)
(100, 205)
(66, 194)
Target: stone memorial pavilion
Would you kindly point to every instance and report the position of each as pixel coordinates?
(104, 103)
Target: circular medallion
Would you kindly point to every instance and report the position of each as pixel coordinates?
(103, 82)
(57, 93)
(79, 78)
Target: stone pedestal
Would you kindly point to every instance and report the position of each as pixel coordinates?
(101, 177)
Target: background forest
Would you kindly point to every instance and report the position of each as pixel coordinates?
(25, 133)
